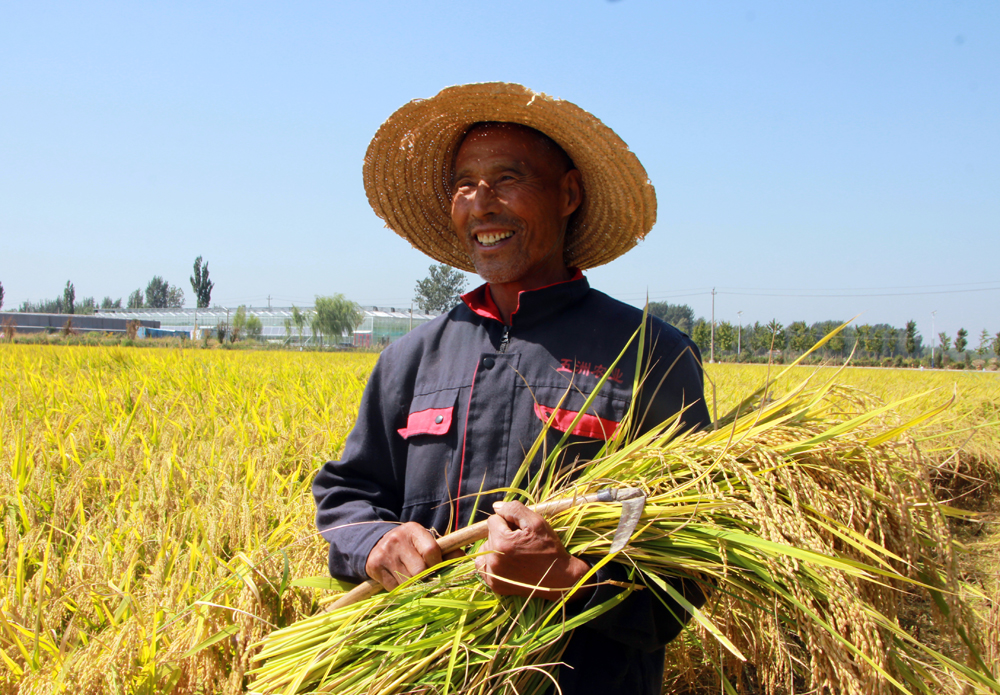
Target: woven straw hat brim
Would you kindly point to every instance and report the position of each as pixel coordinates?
(407, 171)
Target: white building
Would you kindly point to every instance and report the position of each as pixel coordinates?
(380, 325)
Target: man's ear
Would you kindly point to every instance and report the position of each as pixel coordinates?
(572, 192)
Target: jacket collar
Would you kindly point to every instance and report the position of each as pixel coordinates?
(532, 305)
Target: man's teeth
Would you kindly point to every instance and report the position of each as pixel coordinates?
(492, 238)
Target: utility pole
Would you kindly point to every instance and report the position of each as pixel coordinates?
(712, 357)
(739, 335)
(933, 338)
(411, 316)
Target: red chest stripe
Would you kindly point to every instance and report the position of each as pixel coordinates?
(430, 421)
(590, 426)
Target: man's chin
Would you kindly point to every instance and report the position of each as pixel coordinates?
(496, 275)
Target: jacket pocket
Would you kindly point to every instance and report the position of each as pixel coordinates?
(431, 414)
(589, 426)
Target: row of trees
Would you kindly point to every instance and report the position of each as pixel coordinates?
(331, 317)
(440, 291)
(869, 342)
(159, 294)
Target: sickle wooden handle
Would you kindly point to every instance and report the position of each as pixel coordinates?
(468, 536)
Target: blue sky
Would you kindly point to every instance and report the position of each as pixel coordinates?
(812, 160)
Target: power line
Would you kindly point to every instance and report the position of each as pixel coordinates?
(848, 289)
(862, 296)
(811, 293)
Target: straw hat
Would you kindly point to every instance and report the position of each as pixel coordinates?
(407, 171)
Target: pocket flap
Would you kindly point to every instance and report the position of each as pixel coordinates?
(590, 426)
(428, 421)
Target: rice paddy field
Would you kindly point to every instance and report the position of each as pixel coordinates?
(157, 519)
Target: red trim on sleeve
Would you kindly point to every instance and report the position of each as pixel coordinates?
(481, 301)
(590, 426)
(430, 421)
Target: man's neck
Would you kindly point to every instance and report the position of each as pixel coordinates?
(506, 294)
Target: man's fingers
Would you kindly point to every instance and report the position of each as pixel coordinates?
(518, 515)
(426, 552)
(499, 532)
(401, 553)
(427, 546)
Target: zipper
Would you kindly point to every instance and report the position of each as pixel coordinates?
(505, 341)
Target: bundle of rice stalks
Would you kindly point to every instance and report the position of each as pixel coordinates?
(806, 520)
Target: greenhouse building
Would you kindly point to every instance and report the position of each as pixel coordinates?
(379, 326)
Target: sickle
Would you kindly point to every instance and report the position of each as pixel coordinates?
(632, 500)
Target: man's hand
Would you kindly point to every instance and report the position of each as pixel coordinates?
(403, 552)
(524, 548)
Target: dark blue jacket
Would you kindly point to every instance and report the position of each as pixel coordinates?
(452, 408)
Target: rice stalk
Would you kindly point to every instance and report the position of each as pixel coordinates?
(806, 519)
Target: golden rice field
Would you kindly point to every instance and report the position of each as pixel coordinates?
(158, 520)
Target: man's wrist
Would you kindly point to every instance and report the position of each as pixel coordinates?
(576, 571)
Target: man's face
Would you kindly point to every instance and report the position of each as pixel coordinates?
(512, 196)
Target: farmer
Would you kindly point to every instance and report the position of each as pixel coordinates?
(527, 191)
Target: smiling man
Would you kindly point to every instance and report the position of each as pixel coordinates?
(528, 191)
(513, 193)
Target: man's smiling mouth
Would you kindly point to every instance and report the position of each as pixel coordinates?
(493, 238)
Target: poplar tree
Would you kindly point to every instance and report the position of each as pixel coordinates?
(911, 337)
(69, 298)
(961, 341)
(201, 285)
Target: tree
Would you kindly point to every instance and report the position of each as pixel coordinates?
(254, 327)
(875, 341)
(945, 342)
(961, 341)
(201, 285)
(701, 334)
(299, 319)
(864, 335)
(336, 315)
(1, 295)
(86, 306)
(239, 324)
(680, 316)
(800, 336)
(776, 333)
(996, 344)
(984, 343)
(837, 343)
(69, 298)
(759, 338)
(175, 297)
(911, 338)
(440, 290)
(108, 303)
(890, 336)
(135, 300)
(725, 336)
(156, 293)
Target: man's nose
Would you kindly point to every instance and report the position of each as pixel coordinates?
(484, 200)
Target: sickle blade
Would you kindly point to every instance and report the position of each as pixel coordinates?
(631, 513)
